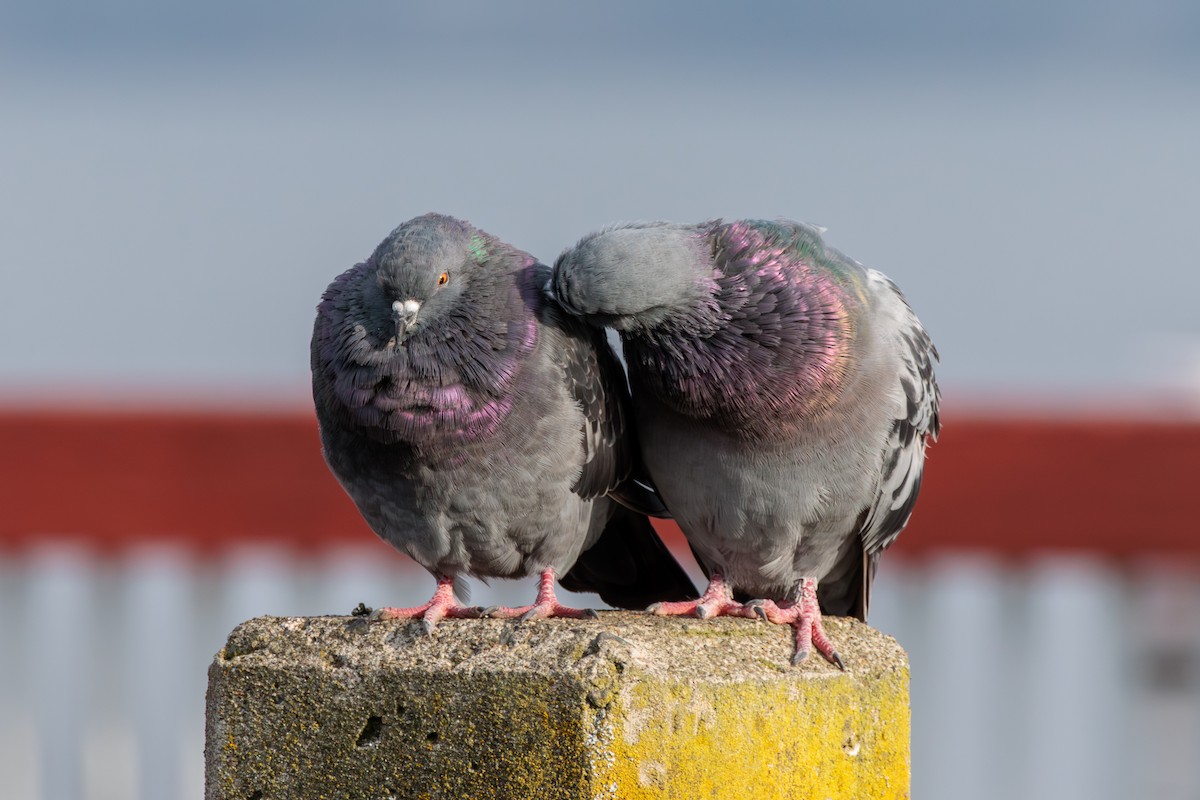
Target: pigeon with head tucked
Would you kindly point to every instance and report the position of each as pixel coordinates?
(479, 429)
(784, 396)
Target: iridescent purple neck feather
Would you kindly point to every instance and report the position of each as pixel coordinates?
(771, 343)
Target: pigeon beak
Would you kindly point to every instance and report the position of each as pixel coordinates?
(404, 312)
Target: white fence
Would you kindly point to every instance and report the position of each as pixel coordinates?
(1062, 678)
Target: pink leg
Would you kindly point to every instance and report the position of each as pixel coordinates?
(545, 606)
(717, 601)
(442, 605)
(805, 617)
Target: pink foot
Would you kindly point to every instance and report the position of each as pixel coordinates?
(545, 606)
(440, 606)
(805, 617)
(717, 601)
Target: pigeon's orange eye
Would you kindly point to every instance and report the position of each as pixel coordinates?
(443, 279)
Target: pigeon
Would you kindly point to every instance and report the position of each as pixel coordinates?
(784, 395)
(481, 430)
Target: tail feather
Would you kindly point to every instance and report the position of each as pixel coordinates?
(846, 592)
(642, 497)
(629, 566)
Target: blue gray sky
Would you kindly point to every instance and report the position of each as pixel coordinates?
(180, 181)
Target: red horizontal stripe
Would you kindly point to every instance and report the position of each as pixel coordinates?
(210, 480)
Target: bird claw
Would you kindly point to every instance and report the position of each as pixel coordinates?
(674, 608)
(442, 605)
(376, 615)
(804, 616)
(832, 657)
(540, 610)
(546, 605)
(547, 610)
(717, 601)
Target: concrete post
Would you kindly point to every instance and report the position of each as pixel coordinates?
(627, 706)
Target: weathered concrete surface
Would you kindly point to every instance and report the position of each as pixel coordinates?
(627, 706)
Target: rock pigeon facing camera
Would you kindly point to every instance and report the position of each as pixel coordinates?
(478, 428)
(784, 394)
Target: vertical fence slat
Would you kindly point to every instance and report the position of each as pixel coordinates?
(1165, 737)
(60, 615)
(960, 657)
(18, 746)
(159, 615)
(1072, 656)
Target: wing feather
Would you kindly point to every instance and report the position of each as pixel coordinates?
(596, 381)
(904, 449)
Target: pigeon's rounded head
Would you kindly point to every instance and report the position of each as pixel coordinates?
(634, 276)
(423, 267)
(424, 341)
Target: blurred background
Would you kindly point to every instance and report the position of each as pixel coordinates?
(180, 182)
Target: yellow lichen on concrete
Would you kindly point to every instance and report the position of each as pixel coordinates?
(838, 737)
